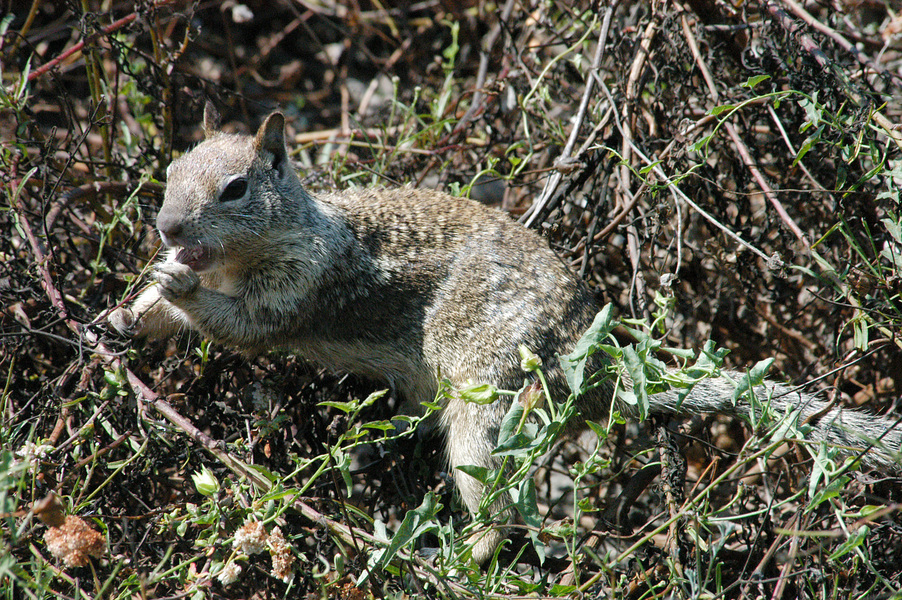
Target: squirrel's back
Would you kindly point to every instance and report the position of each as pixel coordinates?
(452, 284)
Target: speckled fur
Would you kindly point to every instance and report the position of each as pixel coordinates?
(399, 284)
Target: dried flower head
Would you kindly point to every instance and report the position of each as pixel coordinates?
(32, 452)
(251, 538)
(74, 541)
(229, 573)
(282, 556)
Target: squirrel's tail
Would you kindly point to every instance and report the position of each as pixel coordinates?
(852, 431)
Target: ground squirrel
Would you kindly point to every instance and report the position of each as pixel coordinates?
(400, 285)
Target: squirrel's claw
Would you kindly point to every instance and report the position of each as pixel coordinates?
(124, 321)
(177, 281)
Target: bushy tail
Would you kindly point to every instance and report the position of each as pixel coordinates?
(852, 431)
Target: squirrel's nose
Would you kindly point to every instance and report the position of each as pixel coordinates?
(168, 224)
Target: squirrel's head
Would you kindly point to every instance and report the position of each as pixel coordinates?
(228, 193)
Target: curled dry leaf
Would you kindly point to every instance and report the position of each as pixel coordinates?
(50, 511)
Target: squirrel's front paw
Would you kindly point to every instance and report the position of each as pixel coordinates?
(124, 321)
(177, 281)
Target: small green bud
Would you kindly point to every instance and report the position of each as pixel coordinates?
(205, 482)
(483, 393)
(528, 361)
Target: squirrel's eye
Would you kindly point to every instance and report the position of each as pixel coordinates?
(234, 190)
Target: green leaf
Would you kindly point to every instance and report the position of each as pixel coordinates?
(599, 429)
(431, 405)
(813, 113)
(481, 474)
(562, 591)
(115, 378)
(808, 144)
(683, 353)
(636, 369)
(722, 109)
(752, 379)
(524, 498)
(602, 326)
(711, 357)
(860, 334)
(342, 462)
(701, 143)
(648, 168)
(823, 472)
(517, 444)
(263, 472)
(278, 493)
(416, 522)
(347, 407)
(894, 228)
(511, 422)
(528, 439)
(854, 541)
(574, 364)
(627, 397)
(372, 398)
(753, 81)
(379, 425)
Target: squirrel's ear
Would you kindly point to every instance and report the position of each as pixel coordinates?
(271, 137)
(211, 120)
